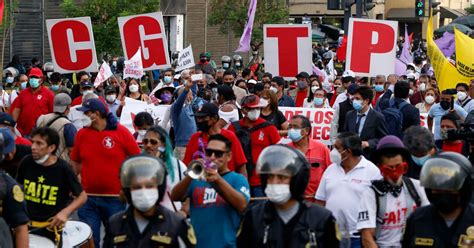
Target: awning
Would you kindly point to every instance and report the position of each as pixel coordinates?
(446, 12)
(401, 13)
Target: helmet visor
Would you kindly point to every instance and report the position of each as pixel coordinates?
(279, 160)
(442, 174)
(142, 167)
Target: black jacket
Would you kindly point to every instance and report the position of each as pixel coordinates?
(312, 222)
(426, 228)
(162, 230)
(411, 115)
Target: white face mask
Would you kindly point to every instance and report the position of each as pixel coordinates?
(410, 92)
(429, 99)
(335, 156)
(253, 114)
(141, 135)
(42, 159)
(144, 199)
(274, 89)
(314, 88)
(85, 92)
(133, 88)
(422, 87)
(86, 121)
(110, 98)
(278, 193)
(461, 96)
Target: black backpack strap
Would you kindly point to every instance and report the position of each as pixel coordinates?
(54, 119)
(260, 126)
(237, 126)
(412, 191)
(179, 169)
(464, 104)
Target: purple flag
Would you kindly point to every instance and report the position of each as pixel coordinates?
(244, 45)
(446, 44)
(405, 57)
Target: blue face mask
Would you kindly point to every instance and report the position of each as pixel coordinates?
(24, 85)
(318, 101)
(357, 104)
(167, 79)
(54, 87)
(379, 87)
(34, 82)
(420, 161)
(295, 134)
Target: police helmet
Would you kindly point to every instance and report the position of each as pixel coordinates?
(287, 161)
(48, 67)
(12, 70)
(237, 57)
(327, 55)
(226, 59)
(143, 166)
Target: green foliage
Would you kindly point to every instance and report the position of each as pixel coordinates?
(8, 23)
(232, 15)
(470, 10)
(103, 14)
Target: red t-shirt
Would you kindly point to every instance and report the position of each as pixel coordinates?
(22, 141)
(101, 154)
(376, 98)
(300, 96)
(318, 156)
(454, 147)
(259, 140)
(78, 100)
(33, 105)
(238, 155)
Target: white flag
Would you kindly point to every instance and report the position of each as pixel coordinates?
(134, 66)
(104, 73)
(185, 59)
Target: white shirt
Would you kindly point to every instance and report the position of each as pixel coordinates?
(340, 98)
(5, 100)
(394, 218)
(342, 191)
(166, 202)
(76, 117)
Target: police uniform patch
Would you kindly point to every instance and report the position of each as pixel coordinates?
(424, 242)
(18, 194)
(120, 239)
(467, 240)
(161, 239)
(338, 233)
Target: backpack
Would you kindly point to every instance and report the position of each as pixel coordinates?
(243, 134)
(394, 118)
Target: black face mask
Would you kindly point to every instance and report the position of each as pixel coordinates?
(203, 126)
(203, 61)
(445, 203)
(445, 104)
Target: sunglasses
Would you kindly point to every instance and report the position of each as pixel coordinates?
(217, 153)
(151, 141)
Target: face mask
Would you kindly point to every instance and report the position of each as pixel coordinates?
(314, 88)
(111, 98)
(85, 92)
(393, 174)
(301, 85)
(167, 80)
(445, 104)
(422, 87)
(237, 64)
(335, 156)
(24, 85)
(54, 87)
(461, 96)
(225, 65)
(144, 199)
(410, 92)
(379, 88)
(203, 60)
(274, 89)
(166, 97)
(318, 101)
(141, 134)
(34, 82)
(133, 88)
(327, 87)
(278, 193)
(253, 114)
(86, 121)
(357, 104)
(295, 134)
(339, 90)
(114, 63)
(446, 203)
(203, 126)
(429, 99)
(9, 80)
(42, 160)
(420, 161)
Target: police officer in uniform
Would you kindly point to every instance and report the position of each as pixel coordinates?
(286, 220)
(12, 204)
(449, 220)
(145, 223)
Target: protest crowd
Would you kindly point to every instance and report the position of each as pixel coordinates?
(233, 156)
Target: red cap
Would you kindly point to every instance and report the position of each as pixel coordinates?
(35, 72)
(253, 101)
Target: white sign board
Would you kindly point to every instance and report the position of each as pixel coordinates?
(185, 59)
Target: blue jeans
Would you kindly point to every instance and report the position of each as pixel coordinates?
(356, 243)
(257, 191)
(99, 209)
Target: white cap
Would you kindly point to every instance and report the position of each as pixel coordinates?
(348, 73)
(252, 81)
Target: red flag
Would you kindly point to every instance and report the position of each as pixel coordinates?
(410, 37)
(341, 51)
(2, 6)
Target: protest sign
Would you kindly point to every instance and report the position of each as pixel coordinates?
(104, 73)
(287, 49)
(464, 54)
(185, 59)
(133, 67)
(371, 47)
(72, 46)
(146, 31)
(133, 107)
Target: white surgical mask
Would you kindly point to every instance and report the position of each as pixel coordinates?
(133, 88)
(429, 99)
(335, 156)
(410, 92)
(274, 89)
(314, 88)
(422, 87)
(42, 159)
(85, 92)
(253, 114)
(144, 199)
(461, 95)
(278, 193)
(141, 135)
(110, 98)
(86, 121)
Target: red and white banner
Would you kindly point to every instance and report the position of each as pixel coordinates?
(133, 107)
(320, 119)
(133, 68)
(371, 47)
(72, 44)
(146, 31)
(287, 49)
